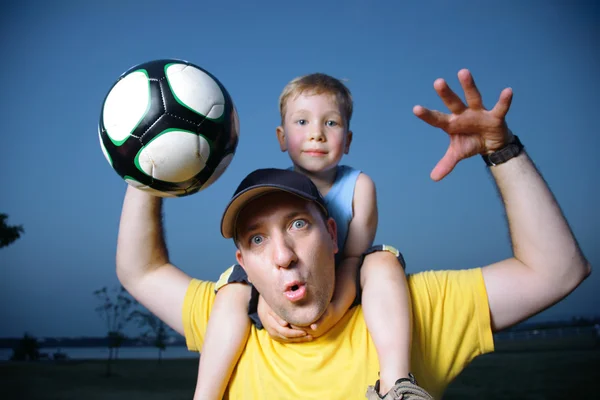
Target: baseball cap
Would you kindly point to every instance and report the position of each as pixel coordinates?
(263, 181)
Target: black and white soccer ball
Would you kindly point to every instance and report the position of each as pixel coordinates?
(168, 127)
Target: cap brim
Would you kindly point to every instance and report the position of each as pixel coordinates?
(243, 198)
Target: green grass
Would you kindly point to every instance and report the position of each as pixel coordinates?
(86, 380)
(564, 374)
(533, 375)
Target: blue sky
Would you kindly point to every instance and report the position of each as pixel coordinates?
(61, 57)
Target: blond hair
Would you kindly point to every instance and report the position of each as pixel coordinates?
(318, 83)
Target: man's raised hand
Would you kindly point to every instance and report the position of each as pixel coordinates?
(472, 129)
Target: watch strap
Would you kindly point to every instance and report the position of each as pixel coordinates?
(511, 150)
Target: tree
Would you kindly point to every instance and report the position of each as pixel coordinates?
(114, 310)
(28, 349)
(156, 331)
(8, 233)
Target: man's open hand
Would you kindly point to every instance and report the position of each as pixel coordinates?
(472, 129)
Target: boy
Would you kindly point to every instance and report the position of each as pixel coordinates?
(315, 116)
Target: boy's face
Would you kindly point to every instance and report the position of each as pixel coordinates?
(314, 132)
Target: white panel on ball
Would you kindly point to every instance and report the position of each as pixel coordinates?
(196, 90)
(126, 105)
(174, 156)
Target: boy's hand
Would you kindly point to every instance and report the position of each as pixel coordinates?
(278, 328)
(472, 129)
(330, 317)
(343, 295)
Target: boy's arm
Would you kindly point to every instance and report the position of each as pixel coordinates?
(143, 266)
(361, 234)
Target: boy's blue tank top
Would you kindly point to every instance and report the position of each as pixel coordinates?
(339, 202)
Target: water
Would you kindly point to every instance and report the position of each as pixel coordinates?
(101, 353)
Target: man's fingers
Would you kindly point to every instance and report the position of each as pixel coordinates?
(472, 94)
(432, 117)
(450, 99)
(503, 105)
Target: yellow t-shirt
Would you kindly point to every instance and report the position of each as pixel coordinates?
(451, 327)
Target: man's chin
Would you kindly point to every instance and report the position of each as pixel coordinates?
(304, 318)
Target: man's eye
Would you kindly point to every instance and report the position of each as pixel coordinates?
(257, 239)
(299, 224)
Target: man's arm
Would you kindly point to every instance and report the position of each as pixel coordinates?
(143, 263)
(548, 263)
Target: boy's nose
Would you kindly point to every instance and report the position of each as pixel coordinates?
(317, 135)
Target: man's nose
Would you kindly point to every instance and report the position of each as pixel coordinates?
(284, 255)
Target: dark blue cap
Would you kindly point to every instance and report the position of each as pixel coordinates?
(263, 181)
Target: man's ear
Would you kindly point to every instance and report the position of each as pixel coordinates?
(281, 138)
(240, 260)
(348, 141)
(332, 229)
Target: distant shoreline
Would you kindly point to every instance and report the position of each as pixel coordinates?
(62, 342)
(59, 353)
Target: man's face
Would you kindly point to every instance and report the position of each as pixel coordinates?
(287, 250)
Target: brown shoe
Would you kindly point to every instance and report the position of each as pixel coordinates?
(403, 389)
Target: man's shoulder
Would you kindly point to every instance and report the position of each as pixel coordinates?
(444, 276)
(448, 293)
(197, 304)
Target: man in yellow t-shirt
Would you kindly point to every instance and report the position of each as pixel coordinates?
(452, 326)
(286, 244)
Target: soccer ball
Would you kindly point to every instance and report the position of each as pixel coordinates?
(168, 127)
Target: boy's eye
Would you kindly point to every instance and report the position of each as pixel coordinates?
(332, 123)
(256, 239)
(299, 224)
(301, 122)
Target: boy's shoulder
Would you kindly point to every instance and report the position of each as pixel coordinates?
(362, 179)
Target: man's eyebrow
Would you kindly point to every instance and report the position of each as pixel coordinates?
(256, 225)
(251, 228)
(294, 214)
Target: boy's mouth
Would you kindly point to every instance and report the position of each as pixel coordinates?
(315, 152)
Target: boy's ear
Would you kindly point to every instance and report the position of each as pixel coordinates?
(281, 138)
(348, 141)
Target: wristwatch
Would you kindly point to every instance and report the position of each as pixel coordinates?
(509, 151)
